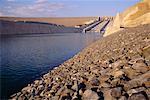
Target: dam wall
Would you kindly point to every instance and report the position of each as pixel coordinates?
(29, 27)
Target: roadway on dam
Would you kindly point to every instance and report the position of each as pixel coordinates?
(97, 26)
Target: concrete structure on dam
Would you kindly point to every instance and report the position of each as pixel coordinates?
(8, 27)
(97, 25)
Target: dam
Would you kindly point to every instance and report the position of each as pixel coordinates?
(98, 25)
(32, 48)
(10, 27)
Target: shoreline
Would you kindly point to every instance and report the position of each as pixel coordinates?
(99, 71)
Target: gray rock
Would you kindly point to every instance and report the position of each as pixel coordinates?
(147, 84)
(140, 67)
(117, 64)
(94, 81)
(131, 73)
(123, 98)
(137, 96)
(75, 98)
(107, 94)
(136, 90)
(65, 97)
(42, 94)
(146, 52)
(27, 89)
(118, 73)
(31, 98)
(14, 95)
(80, 92)
(40, 82)
(60, 91)
(36, 82)
(22, 97)
(75, 86)
(116, 92)
(105, 85)
(40, 87)
(90, 95)
(54, 98)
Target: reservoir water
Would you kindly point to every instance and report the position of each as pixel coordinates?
(25, 58)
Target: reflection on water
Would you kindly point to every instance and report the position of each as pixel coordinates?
(25, 58)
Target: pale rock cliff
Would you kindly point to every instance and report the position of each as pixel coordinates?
(136, 15)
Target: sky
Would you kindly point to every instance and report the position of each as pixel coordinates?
(63, 8)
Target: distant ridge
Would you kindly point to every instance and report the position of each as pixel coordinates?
(66, 21)
(31, 27)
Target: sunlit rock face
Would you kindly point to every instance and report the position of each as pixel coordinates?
(136, 15)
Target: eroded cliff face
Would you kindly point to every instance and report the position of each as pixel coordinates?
(136, 15)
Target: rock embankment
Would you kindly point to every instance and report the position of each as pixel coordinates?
(117, 67)
(28, 27)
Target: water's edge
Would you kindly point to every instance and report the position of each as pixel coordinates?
(55, 68)
(57, 64)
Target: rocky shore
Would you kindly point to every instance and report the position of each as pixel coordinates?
(117, 67)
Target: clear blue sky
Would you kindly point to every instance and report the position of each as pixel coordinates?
(63, 8)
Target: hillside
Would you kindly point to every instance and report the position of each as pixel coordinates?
(66, 21)
(28, 27)
(133, 16)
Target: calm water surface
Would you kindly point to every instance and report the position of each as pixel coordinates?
(25, 58)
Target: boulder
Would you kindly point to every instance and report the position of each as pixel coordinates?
(94, 81)
(107, 95)
(138, 96)
(90, 95)
(146, 52)
(118, 73)
(123, 98)
(116, 92)
(27, 89)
